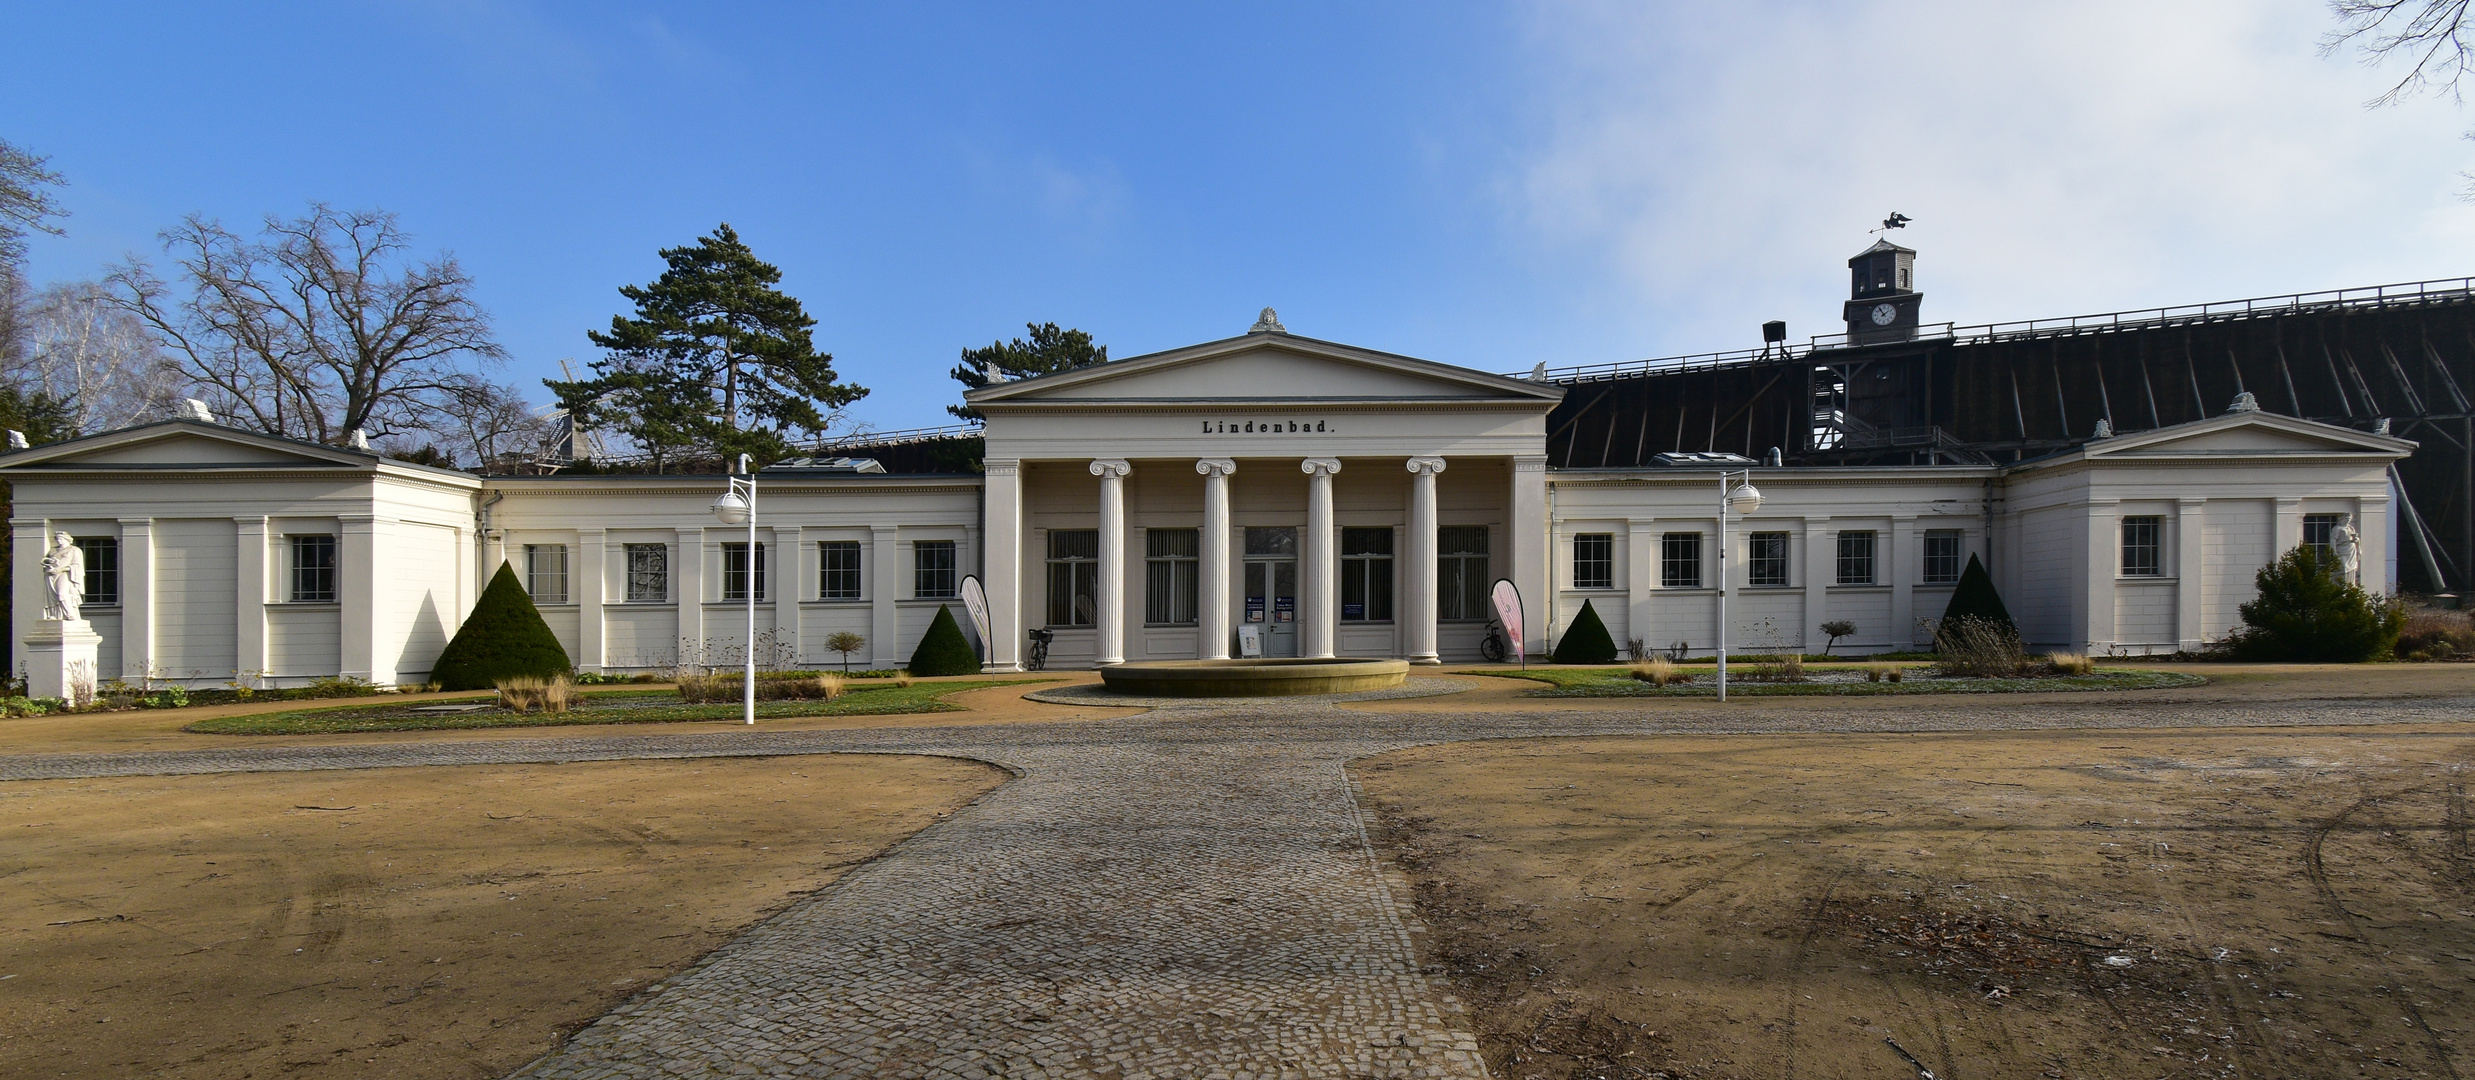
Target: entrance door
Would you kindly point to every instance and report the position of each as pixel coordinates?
(1272, 588)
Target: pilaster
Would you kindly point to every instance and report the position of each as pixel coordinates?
(137, 599)
(587, 585)
(1530, 548)
(1002, 491)
(249, 559)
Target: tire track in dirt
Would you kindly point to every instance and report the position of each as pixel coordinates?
(2316, 869)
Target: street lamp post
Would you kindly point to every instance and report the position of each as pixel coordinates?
(733, 508)
(1744, 498)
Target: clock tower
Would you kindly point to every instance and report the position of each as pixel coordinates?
(1882, 301)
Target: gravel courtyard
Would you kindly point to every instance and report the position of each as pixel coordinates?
(1185, 892)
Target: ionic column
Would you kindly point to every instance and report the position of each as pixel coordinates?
(1419, 607)
(1212, 623)
(1322, 568)
(1111, 620)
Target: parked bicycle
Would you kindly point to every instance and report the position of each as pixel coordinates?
(1493, 646)
(1040, 637)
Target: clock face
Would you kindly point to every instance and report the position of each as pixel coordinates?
(1883, 314)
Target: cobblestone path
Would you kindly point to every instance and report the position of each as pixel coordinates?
(1184, 893)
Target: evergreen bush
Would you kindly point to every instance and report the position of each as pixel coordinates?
(2306, 612)
(1586, 640)
(504, 638)
(1973, 599)
(944, 650)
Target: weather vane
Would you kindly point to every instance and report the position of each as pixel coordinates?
(1897, 220)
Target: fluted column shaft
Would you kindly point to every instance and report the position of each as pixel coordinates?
(1317, 624)
(1212, 625)
(1110, 618)
(1419, 595)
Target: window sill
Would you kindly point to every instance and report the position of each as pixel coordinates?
(643, 603)
(306, 605)
(1594, 589)
(2144, 579)
(1346, 624)
(839, 601)
(930, 600)
(1168, 626)
(1859, 588)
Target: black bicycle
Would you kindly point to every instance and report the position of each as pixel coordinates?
(1493, 646)
(1040, 637)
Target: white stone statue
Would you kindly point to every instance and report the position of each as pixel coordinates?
(2347, 545)
(64, 575)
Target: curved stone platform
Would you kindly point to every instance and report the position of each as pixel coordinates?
(1270, 677)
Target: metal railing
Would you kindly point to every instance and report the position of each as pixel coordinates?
(2439, 290)
(905, 436)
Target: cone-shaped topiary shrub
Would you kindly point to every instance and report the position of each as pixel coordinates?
(944, 650)
(1973, 598)
(1586, 641)
(503, 638)
(2307, 612)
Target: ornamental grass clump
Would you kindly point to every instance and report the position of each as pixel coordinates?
(525, 693)
(1778, 668)
(770, 686)
(1971, 647)
(2068, 663)
(2436, 634)
(1658, 671)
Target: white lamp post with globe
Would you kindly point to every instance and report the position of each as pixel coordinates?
(1744, 498)
(743, 509)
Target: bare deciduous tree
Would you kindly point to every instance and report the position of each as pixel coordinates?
(94, 357)
(495, 424)
(25, 204)
(320, 327)
(2434, 38)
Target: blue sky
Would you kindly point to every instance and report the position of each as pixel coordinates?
(1492, 185)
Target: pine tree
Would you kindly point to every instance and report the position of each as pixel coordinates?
(1050, 350)
(944, 650)
(503, 638)
(1586, 640)
(1974, 598)
(715, 362)
(2307, 612)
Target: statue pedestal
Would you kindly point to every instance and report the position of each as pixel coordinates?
(60, 660)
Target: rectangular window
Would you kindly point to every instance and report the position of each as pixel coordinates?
(102, 570)
(2317, 529)
(934, 572)
(1766, 560)
(1594, 561)
(2142, 555)
(648, 573)
(735, 571)
(1942, 556)
(1366, 575)
(545, 572)
(1680, 560)
(1856, 549)
(313, 570)
(1461, 573)
(1169, 568)
(1073, 576)
(837, 570)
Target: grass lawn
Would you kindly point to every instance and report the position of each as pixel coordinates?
(1619, 682)
(603, 707)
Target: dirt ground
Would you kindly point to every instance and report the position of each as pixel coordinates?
(436, 922)
(2108, 904)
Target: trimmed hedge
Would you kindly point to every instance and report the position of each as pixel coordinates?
(944, 650)
(1974, 598)
(503, 638)
(1586, 640)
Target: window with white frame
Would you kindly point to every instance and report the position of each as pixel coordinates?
(2317, 529)
(1366, 575)
(102, 569)
(1856, 557)
(1594, 561)
(2143, 549)
(1680, 560)
(1169, 566)
(935, 572)
(1073, 576)
(311, 573)
(735, 570)
(837, 570)
(1942, 556)
(1766, 560)
(545, 572)
(648, 573)
(1461, 573)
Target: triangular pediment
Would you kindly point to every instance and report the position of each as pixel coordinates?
(2247, 434)
(1265, 367)
(184, 444)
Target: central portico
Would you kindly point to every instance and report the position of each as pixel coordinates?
(1340, 501)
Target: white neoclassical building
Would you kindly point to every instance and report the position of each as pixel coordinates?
(1339, 500)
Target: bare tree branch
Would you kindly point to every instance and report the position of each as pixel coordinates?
(2431, 35)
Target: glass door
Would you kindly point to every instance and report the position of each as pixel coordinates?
(1271, 603)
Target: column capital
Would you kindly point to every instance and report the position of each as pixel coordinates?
(1319, 466)
(1215, 466)
(1529, 463)
(1001, 466)
(1426, 465)
(1113, 468)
